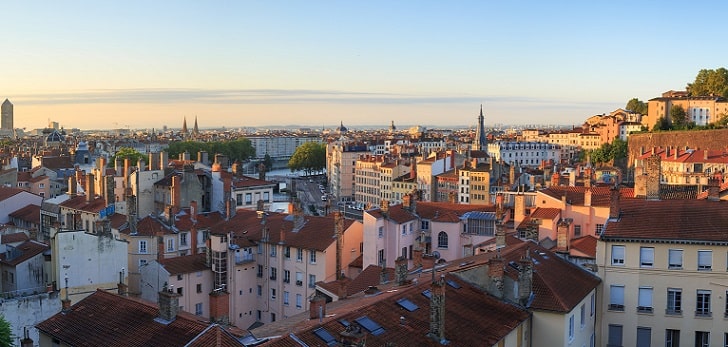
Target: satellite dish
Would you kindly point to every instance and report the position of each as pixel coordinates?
(436, 254)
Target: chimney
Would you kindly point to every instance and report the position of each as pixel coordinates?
(352, 336)
(153, 161)
(118, 168)
(202, 157)
(141, 165)
(384, 206)
(417, 258)
(90, 194)
(317, 307)
(437, 310)
(406, 201)
(572, 178)
(193, 210)
(587, 196)
(500, 235)
(26, 341)
(220, 306)
(614, 197)
(714, 189)
(413, 170)
(495, 274)
(339, 234)
(400, 265)
(562, 236)
(131, 211)
(512, 175)
(519, 206)
(705, 154)
(72, 186)
(102, 163)
(555, 178)
(168, 304)
(176, 191)
(163, 160)
(237, 171)
(109, 195)
(127, 167)
(525, 279)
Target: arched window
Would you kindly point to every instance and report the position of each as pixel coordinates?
(442, 240)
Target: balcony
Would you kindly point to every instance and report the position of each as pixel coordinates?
(299, 283)
(616, 307)
(644, 309)
(703, 314)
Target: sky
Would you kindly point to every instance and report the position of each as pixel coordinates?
(147, 64)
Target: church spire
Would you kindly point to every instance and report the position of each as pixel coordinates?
(480, 141)
(195, 130)
(184, 126)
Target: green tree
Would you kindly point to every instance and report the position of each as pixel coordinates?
(661, 124)
(722, 120)
(268, 162)
(635, 105)
(124, 153)
(6, 333)
(709, 82)
(310, 157)
(239, 149)
(679, 117)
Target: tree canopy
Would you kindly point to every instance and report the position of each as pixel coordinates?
(310, 157)
(126, 152)
(636, 105)
(710, 82)
(679, 117)
(6, 333)
(609, 152)
(237, 150)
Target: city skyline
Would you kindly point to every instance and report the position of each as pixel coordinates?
(139, 65)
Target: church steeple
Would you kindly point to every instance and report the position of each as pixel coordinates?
(480, 141)
(195, 130)
(184, 126)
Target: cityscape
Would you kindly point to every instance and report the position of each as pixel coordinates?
(363, 174)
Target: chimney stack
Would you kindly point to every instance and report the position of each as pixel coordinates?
(72, 186)
(495, 274)
(705, 154)
(500, 235)
(168, 304)
(437, 310)
(26, 341)
(400, 265)
(587, 196)
(339, 234)
(163, 160)
(352, 336)
(562, 236)
(193, 210)
(317, 307)
(90, 194)
(555, 179)
(614, 197)
(122, 287)
(525, 279)
(519, 206)
(176, 191)
(714, 189)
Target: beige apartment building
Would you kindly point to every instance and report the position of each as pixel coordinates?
(341, 160)
(702, 110)
(663, 267)
(686, 166)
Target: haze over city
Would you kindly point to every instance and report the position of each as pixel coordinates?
(136, 64)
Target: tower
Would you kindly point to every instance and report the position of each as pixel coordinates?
(479, 141)
(196, 130)
(184, 126)
(6, 115)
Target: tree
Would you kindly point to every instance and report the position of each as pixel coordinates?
(709, 82)
(679, 117)
(310, 157)
(268, 162)
(126, 152)
(6, 333)
(635, 105)
(722, 120)
(661, 124)
(237, 150)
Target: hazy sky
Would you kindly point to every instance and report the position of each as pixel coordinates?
(104, 64)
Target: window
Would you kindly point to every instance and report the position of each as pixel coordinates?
(593, 305)
(179, 290)
(425, 224)
(248, 198)
(272, 293)
(644, 300)
(674, 301)
(674, 258)
(299, 278)
(179, 277)
(618, 255)
(199, 287)
(577, 230)
(183, 239)
(705, 260)
(273, 251)
(702, 305)
(287, 252)
(381, 232)
(143, 246)
(142, 262)
(299, 301)
(170, 245)
(311, 281)
(614, 337)
(583, 315)
(260, 290)
(672, 338)
(380, 257)
(198, 309)
(286, 276)
(260, 271)
(273, 273)
(702, 339)
(299, 255)
(598, 229)
(272, 317)
(404, 229)
(442, 240)
(239, 199)
(285, 298)
(647, 256)
(644, 336)
(616, 298)
(312, 257)
(571, 328)
(266, 196)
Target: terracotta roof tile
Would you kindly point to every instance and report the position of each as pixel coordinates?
(584, 247)
(105, 319)
(575, 195)
(185, 264)
(30, 213)
(27, 249)
(79, 203)
(6, 192)
(14, 238)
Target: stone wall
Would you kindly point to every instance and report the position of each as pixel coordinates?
(26, 312)
(703, 139)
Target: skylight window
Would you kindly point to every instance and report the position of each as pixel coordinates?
(407, 305)
(427, 293)
(344, 322)
(326, 336)
(453, 284)
(373, 327)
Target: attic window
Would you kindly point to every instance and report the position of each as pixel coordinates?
(326, 336)
(373, 327)
(427, 293)
(344, 322)
(407, 305)
(453, 284)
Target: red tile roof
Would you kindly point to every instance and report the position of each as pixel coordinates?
(105, 319)
(681, 220)
(30, 213)
(584, 247)
(719, 156)
(575, 195)
(79, 203)
(14, 238)
(245, 182)
(471, 318)
(316, 232)
(185, 264)
(27, 249)
(6, 192)
(433, 211)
